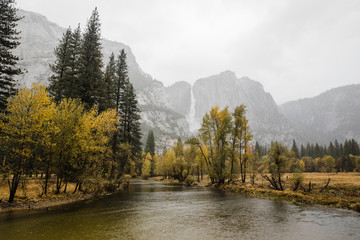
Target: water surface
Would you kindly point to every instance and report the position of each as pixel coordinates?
(153, 210)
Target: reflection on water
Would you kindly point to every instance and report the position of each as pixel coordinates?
(152, 210)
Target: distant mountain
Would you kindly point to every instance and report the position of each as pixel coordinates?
(225, 89)
(172, 111)
(39, 37)
(334, 114)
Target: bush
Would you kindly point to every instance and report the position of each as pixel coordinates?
(297, 180)
(190, 180)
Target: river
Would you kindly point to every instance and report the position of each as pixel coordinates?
(154, 210)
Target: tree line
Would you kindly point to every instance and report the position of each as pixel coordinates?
(223, 150)
(83, 128)
(339, 157)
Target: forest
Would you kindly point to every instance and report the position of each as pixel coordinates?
(83, 128)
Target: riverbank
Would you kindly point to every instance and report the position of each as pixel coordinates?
(343, 190)
(32, 196)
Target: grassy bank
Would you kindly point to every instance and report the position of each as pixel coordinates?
(343, 190)
(30, 195)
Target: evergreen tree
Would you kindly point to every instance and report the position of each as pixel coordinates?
(337, 149)
(108, 91)
(295, 149)
(302, 151)
(317, 151)
(91, 63)
(59, 81)
(257, 148)
(9, 40)
(354, 148)
(64, 83)
(127, 107)
(121, 77)
(75, 67)
(308, 150)
(150, 143)
(331, 150)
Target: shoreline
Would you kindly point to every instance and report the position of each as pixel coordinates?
(45, 203)
(329, 198)
(53, 200)
(335, 196)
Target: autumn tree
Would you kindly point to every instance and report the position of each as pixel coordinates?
(244, 136)
(329, 163)
(68, 119)
(277, 164)
(28, 125)
(146, 167)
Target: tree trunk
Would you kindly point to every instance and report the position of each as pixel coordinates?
(65, 187)
(198, 174)
(76, 187)
(47, 178)
(58, 184)
(13, 186)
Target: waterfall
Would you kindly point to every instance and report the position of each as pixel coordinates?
(191, 119)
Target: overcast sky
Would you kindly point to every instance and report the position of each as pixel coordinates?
(295, 49)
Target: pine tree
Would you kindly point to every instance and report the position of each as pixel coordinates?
(91, 62)
(150, 143)
(59, 81)
(131, 123)
(121, 76)
(64, 83)
(9, 40)
(302, 151)
(127, 107)
(331, 150)
(337, 149)
(74, 64)
(295, 149)
(108, 91)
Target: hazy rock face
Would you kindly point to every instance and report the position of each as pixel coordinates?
(179, 97)
(334, 114)
(38, 40)
(225, 89)
(39, 37)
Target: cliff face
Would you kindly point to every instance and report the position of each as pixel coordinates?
(225, 89)
(334, 114)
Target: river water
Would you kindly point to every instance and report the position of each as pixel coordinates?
(153, 210)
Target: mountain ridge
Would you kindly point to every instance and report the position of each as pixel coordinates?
(169, 110)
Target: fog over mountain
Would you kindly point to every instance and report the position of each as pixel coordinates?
(334, 114)
(175, 110)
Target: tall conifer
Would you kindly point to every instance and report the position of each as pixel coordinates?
(9, 40)
(91, 62)
(150, 143)
(59, 81)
